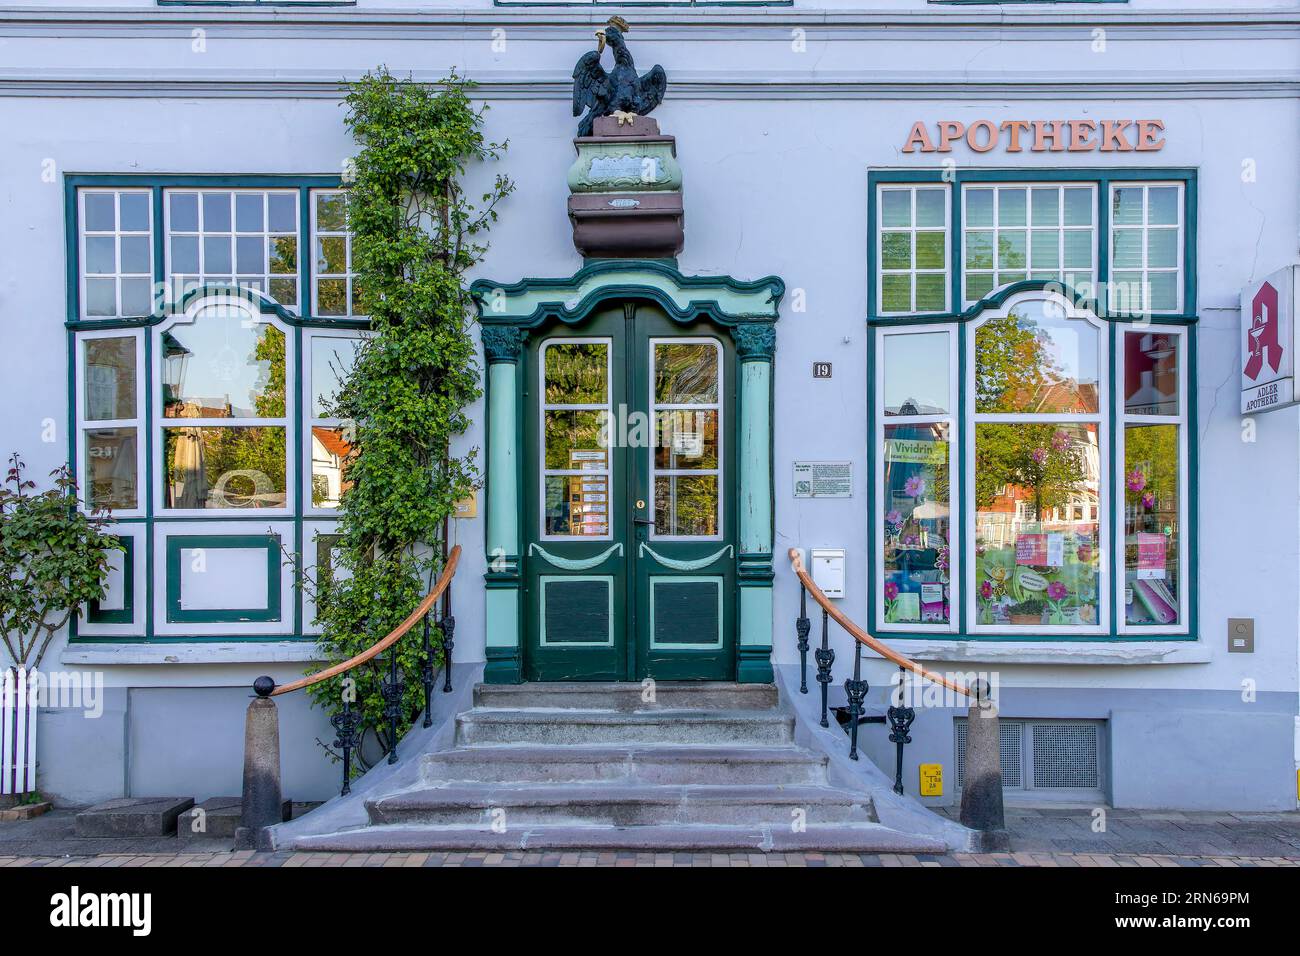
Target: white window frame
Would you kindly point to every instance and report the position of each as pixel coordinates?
(543, 407)
(719, 407)
(1029, 229)
(1105, 546)
(138, 422)
(348, 277)
(1181, 241)
(179, 282)
(1180, 420)
(160, 424)
(309, 418)
(955, 481)
(913, 229)
(117, 234)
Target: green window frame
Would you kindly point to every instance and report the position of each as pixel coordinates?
(1114, 422)
(178, 543)
(149, 616)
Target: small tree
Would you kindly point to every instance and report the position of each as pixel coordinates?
(53, 559)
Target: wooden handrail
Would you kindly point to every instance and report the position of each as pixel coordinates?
(796, 563)
(444, 579)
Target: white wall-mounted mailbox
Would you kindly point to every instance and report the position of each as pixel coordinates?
(828, 570)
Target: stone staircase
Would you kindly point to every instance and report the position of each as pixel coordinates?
(704, 766)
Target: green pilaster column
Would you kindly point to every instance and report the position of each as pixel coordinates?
(755, 344)
(503, 345)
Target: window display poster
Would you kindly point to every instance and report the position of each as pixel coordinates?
(1031, 550)
(1151, 555)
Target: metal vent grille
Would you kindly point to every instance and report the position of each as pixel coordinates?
(1009, 746)
(1066, 755)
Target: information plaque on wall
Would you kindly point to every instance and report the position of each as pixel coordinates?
(823, 479)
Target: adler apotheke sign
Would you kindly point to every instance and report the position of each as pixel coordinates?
(1268, 342)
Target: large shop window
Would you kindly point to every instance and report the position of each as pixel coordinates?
(207, 353)
(1001, 485)
(1032, 462)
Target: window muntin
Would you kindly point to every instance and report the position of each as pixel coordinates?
(686, 457)
(1153, 447)
(1031, 231)
(1146, 248)
(912, 249)
(224, 437)
(116, 252)
(243, 237)
(917, 465)
(576, 486)
(334, 286)
(109, 400)
(329, 442)
(1037, 408)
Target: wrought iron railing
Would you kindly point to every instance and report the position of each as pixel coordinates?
(981, 806)
(261, 796)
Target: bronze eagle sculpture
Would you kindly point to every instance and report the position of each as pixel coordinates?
(620, 92)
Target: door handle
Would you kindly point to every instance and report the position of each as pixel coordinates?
(643, 521)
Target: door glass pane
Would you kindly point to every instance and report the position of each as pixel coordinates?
(917, 523)
(916, 374)
(1037, 362)
(577, 505)
(1037, 521)
(1151, 527)
(111, 468)
(224, 467)
(222, 366)
(576, 440)
(577, 374)
(686, 373)
(686, 439)
(1150, 373)
(686, 505)
(110, 378)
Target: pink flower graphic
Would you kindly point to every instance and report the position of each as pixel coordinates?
(1148, 501)
(986, 590)
(914, 486)
(894, 517)
(1057, 591)
(891, 590)
(1136, 480)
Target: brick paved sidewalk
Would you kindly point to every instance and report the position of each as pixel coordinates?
(1039, 837)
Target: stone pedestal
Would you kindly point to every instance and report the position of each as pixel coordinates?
(261, 803)
(625, 189)
(981, 794)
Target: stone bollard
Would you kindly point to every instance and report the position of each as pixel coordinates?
(262, 804)
(981, 795)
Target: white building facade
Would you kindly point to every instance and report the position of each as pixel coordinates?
(1001, 247)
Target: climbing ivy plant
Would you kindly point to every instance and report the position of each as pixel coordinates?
(415, 233)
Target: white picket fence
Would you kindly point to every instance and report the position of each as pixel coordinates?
(18, 701)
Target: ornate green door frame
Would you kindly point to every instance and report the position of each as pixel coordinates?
(747, 310)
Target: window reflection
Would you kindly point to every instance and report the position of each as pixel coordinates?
(224, 467)
(1150, 373)
(686, 505)
(111, 468)
(1151, 526)
(110, 378)
(686, 373)
(331, 453)
(917, 523)
(1037, 523)
(223, 366)
(1034, 361)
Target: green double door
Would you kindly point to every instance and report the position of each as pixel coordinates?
(630, 500)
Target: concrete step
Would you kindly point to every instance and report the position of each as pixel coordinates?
(848, 838)
(647, 765)
(627, 697)
(580, 727)
(620, 805)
